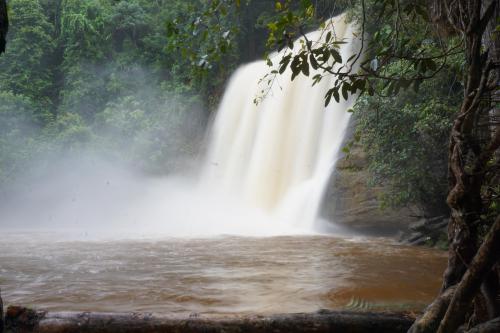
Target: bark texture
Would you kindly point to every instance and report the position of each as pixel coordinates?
(22, 320)
(430, 320)
(492, 326)
(482, 264)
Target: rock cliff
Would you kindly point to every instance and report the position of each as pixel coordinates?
(352, 203)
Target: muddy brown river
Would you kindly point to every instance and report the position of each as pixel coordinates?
(218, 275)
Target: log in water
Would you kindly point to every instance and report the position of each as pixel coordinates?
(22, 320)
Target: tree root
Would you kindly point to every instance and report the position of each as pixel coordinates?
(492, 326)
(481, 265)
(429, 321)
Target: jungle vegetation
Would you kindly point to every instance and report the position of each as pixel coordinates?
(74, 75)
(108, 77)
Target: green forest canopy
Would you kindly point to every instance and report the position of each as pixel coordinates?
(97, 75)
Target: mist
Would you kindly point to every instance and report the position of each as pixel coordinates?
(134, 172)
(90, 197)
(133, 169)
(130, 166)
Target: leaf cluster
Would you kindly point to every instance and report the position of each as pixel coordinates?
(404, 36)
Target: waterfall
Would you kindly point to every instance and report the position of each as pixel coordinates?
(278, 155)
(264, 174)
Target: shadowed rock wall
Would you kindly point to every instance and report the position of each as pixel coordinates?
(352, 203)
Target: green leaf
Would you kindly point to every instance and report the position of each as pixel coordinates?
(316, 78)
(313, 61)
(328, 97)
(305, 68)
(284, 63)
(345, 90)
(328, 36)
(336, 55)
(336, 94)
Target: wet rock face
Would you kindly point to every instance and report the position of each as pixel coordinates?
(431, 231)
(350, 202)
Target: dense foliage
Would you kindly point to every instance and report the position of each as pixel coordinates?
(110, 77)
(406, 140)
(405, 131)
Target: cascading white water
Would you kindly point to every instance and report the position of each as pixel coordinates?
(278, 155)
(265, 173)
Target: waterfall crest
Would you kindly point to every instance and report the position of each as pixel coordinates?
(278, 155)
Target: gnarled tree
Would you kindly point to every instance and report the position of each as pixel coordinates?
(473, 170)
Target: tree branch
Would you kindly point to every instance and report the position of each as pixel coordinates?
(485, 258)
(429, 321)
(488, 14)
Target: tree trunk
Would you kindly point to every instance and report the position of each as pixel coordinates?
(4, 25)
(470, 151)
(22, 320)
(467, 158)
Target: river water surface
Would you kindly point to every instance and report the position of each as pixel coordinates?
(217, 275)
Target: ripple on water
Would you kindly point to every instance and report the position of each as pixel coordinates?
(218, 275)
